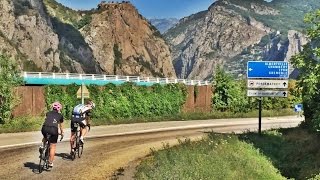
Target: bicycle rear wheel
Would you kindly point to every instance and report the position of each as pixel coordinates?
(44, 156)
(47, 154)
(42, 163)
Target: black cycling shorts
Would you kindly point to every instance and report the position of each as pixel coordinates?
(81, 121)
(53, 131)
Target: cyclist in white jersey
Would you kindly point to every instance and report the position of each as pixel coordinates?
(81, 115)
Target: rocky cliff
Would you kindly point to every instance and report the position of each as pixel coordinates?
(123, 42)
(232, 32)
(43, 35)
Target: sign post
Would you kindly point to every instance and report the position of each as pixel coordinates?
(83, 92)
(298, 109)
(266, 75)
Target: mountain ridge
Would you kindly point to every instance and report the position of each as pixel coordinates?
(232, 32)
(46, 36)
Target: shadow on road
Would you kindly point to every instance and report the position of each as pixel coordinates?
(64, 156)
(34, 167)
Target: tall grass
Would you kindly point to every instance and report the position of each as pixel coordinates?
(216, 157)
(25, 124)
(22, 124)
(295, 151)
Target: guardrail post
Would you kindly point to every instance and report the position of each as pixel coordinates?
(199, 83)
(184, 81)
(167, 81)
(80, 76)
(206, 82)
(175, 80)
(92, 77)
(191, 82)
(67, 76)
(53, 75)
(158, 80)
(104, 77)
(25, 74)
(148, 79)
(128, 78)
(117, 78)
(39, 75)
(138, 79)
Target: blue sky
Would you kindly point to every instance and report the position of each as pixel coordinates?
(151, 8)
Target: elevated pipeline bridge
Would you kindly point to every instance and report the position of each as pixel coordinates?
(46, 78)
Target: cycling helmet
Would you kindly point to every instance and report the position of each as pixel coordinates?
(91, 103)
(57, 106)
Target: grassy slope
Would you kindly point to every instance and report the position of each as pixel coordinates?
(217, 157)
(295, 152)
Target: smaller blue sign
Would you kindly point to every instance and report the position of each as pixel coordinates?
(298, 108)
(268, 69)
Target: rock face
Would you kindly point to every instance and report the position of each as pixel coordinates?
(231, 32)
(123, 42)
(211, 37)
(113, 39)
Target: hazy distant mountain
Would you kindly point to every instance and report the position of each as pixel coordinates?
(164, 24)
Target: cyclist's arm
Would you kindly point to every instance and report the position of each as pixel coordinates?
(61, 128)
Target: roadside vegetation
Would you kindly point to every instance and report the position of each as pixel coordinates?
(217, 156)
(129, 103)
(276, 154)
(9, 78)
(295, 152)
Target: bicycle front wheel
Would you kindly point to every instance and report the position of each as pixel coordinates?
(73, 154)
(80, 149)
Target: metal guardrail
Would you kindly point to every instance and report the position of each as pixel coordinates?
(100, 77)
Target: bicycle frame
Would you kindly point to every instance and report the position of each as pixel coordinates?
(44, 155)
(77, 146)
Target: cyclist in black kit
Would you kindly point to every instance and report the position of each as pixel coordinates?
(53, 125)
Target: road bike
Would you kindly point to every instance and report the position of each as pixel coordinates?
(45, 154)
(77, 144)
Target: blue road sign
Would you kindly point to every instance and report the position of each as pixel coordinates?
(267, 69)
(298, 107)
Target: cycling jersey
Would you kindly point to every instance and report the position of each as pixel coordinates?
(80, 115)
(50, 126)
(81, 111)
(53, 118)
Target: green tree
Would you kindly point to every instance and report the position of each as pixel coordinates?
(9, 78)
(229, 94)
(308, 63)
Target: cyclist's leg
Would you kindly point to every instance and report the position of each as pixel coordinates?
(83, 128)
(52, 153)
(44, 134)
(73, 134)
(53, 141)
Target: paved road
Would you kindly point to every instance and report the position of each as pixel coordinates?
(108, 148)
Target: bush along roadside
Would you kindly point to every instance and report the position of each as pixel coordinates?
(124, 101)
